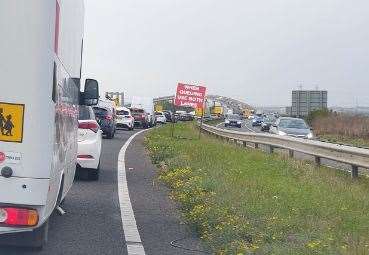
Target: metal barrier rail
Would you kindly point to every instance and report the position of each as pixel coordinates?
(355, 157)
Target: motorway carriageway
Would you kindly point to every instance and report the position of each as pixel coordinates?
(145, 221)
(247, 127)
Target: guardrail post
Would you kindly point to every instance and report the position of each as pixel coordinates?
(270, 149)
(291, 153)
(354, 171)
(244, 144)
(318, 161)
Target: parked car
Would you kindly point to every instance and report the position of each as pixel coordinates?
(125, 118)
(107, 121)
(295, 127)
(160, 117)
(257, 120)
(140, 116)
(268, 121)
(233, 120)
(89, 142)
(169, 116)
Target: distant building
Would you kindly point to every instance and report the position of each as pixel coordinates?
(306, 101)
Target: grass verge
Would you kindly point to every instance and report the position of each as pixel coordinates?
(339, 139)
(243, 201)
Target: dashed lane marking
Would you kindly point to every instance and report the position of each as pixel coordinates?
(131, 234)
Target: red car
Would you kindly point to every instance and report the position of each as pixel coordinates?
(141, 117)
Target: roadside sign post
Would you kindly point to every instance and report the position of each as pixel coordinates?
(174, 118)
(202, 119)
(190, 96)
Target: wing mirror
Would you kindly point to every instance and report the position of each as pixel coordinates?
(90, 96)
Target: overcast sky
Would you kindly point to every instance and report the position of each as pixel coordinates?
(256, 51)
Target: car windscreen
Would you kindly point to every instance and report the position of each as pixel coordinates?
(158, 114)
(293, 123)
(137, 111)
(122, 112)
(234, 116)
(99, 112)
(84, 113)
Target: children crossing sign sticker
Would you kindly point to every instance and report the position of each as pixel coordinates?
(11, 122)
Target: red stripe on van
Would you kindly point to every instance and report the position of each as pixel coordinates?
(57, 28)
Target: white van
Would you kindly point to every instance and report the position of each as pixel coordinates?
(40, 48)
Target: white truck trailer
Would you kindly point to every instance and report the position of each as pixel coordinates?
(41, 55)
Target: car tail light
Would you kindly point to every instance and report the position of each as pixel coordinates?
(18, 217)
(85, 157)
(108, 117)
(89, 125)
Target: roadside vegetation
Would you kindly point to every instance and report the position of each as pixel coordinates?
(243, 201)
(214, 122)
(341, 128)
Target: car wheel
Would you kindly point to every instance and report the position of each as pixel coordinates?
(93, 174)
(239, 126)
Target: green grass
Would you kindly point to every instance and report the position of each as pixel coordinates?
(358, 142)
(243, 201)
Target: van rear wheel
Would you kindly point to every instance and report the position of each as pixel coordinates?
(34, 240)
(39, 237)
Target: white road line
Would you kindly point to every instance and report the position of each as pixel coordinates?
(218, 125)
(252, 130)
(131, 234)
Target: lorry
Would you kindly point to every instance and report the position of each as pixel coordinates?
(41, 54)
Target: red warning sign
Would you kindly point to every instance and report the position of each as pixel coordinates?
(190, 95)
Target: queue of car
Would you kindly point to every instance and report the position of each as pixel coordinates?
(274, 124)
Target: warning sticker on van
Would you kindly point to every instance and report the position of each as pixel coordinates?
(11, 122)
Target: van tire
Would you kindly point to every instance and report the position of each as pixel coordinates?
(34, 240)
(39, 237)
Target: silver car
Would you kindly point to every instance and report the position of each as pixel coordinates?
(292, 127)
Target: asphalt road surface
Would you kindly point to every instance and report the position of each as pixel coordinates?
(93, 223)
(246, 127)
